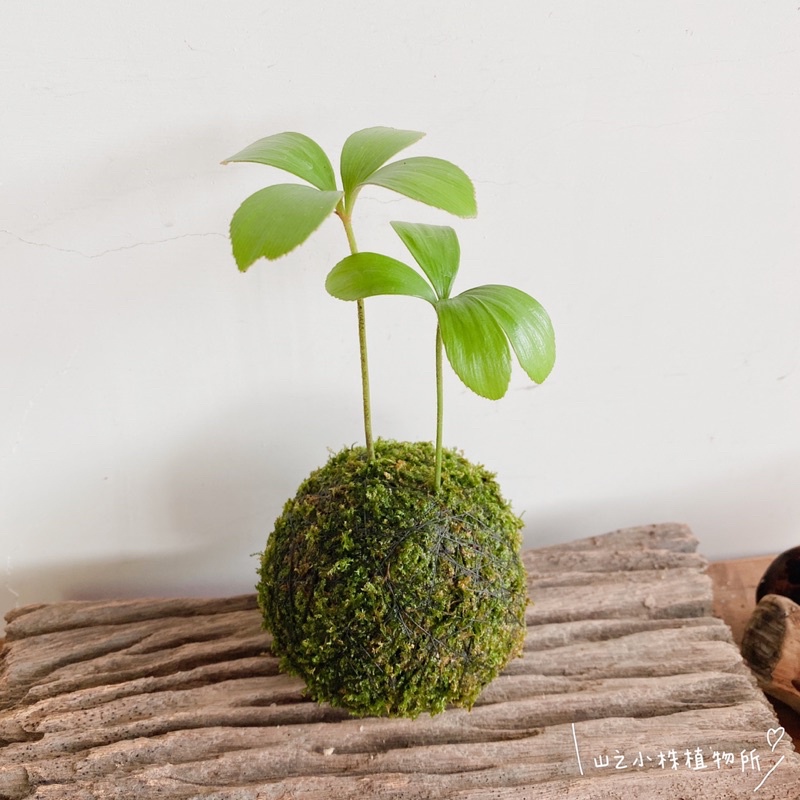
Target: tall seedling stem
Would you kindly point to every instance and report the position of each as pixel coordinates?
(437, 478)
(362, 340)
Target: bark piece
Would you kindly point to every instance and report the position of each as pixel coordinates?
(771, 646)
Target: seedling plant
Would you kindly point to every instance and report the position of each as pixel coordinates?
(390, 586)
(475, 327)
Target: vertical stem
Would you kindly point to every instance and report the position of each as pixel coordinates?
(362, 343)
(437, 480)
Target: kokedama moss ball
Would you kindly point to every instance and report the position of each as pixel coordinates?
(388, 598)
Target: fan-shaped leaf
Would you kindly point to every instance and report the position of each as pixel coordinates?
(365, 151)
(435, 248)
(526, 324)
(369, 274)
(432, 181)
(475, 344)
(275, 220)
(295, 153)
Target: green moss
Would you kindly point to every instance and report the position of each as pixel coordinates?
(386, 598)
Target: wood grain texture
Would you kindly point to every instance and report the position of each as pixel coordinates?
(771, 647)
(182, 699)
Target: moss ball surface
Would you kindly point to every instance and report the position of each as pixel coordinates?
(388, 598)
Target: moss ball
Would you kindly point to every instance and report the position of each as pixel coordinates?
(386, 597)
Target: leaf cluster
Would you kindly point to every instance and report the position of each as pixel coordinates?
(275, 220)
(476, 326)
(480, 328)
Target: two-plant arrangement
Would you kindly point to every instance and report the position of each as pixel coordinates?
(392, 582)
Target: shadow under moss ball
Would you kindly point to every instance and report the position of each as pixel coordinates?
(388, 598)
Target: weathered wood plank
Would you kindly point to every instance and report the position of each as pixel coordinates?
(182, 699)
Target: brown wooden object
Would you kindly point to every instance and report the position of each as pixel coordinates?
(734, 585)
(627, 688)
(771, 646)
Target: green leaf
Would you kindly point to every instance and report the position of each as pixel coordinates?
(435, 248)
(275, 220)
(369, 274)
(475, 344)
(432, 181)
(365, 151)
(295, 153)
(526, 324)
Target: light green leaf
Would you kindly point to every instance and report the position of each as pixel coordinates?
(275, 220)
(432, 181)
(435, 248)
(295, 153)
(526, 324)
(365, 151)
(369, 274)
(475, 344)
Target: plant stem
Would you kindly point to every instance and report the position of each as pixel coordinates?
(437, 479)
(362, 342)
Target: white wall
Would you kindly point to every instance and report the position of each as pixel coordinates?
(637, 167)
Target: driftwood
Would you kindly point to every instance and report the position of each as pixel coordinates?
(623, 667)
(771, 646)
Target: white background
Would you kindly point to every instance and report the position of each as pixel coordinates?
(637, 167)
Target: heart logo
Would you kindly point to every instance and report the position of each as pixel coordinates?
(774, 735)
